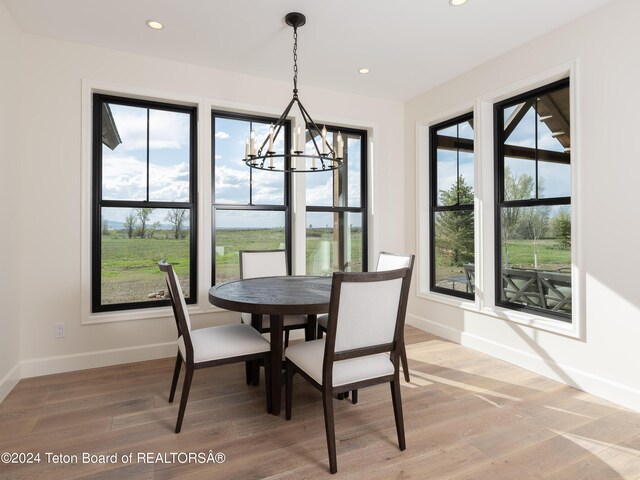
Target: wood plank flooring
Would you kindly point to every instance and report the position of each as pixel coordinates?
(467, 416)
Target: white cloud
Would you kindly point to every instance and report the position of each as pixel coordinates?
(222, 135)
(167, 129)
(124, 178)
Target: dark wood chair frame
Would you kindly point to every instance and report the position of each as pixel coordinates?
(403, 350)
(331, 356)
(191, 366)
(253, 368)
(309, 332)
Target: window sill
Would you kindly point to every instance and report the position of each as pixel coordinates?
(144, 314)
(522, 318)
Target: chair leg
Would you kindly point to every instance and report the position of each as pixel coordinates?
(354, 396)
(327, 403)
(249, 371)
(267, 381)
(405, 363)
(397, 411)
(286, 338)
(188, 376)
(176, 374)
(288, 390)
(319, 333)
(255, 373)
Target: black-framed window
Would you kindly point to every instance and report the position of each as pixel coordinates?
(451, 203)
(250, 207)
(533, 201)
(144, 201)
(336, 217)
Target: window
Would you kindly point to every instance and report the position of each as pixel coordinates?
(451, 207)
(337, 209)
(144, 177)
(533, 202)
(250, 206)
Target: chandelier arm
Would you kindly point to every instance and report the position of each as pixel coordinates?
(278, 124)
(309, 120)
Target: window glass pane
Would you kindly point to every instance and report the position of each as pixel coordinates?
(231, 174)
(134, 240)
(353, 159)
(465, 130)
(454, 254)
(547, 139)
(554, 180)
(268, 187)
(447, 170)
(519, 179)
(454, 165)
(334, 242)
(466, 177)
(169, 141)
(244, 230)
(124, 152)
(319, 190)
(319, 185)
(536, 255)
(519, 123)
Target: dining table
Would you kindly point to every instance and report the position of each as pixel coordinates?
(276, 297)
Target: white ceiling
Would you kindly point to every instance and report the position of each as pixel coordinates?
(409, 45)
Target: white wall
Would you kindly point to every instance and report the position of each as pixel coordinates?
(604, 45)
(10, 39)
(51, 158)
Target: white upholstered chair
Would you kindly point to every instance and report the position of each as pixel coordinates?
(209, 347)
(362, 346)
(386, 261)
(269, 263)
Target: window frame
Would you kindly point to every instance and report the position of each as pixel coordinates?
(287, 194)
(97, 203)
(500, 203)
(364, 200)
(434, 207)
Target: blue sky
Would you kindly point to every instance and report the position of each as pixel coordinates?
(125, 168)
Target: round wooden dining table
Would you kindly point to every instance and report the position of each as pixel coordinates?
(276, 297)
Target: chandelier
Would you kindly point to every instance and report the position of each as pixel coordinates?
(301, 158)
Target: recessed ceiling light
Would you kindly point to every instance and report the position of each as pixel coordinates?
(155, 25)
(457, 3)
(363, 70)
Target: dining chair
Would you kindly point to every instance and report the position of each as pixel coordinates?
(209, 347)
(386, 261)
(362, 346)
(269, 263)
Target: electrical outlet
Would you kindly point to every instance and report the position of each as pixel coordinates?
(59, 330)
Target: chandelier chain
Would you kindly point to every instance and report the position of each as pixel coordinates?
(295, 62)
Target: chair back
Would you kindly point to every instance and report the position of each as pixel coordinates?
(179, 305)
(393, 261)
(366, 315)
(263, 263)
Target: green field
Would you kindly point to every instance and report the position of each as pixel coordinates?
(130, 265)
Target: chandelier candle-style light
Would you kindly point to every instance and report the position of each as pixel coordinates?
(314, 158)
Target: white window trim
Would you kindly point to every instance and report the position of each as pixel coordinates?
(483, 110)
(87, 317)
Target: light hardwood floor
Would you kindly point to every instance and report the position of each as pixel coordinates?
(467, 416)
